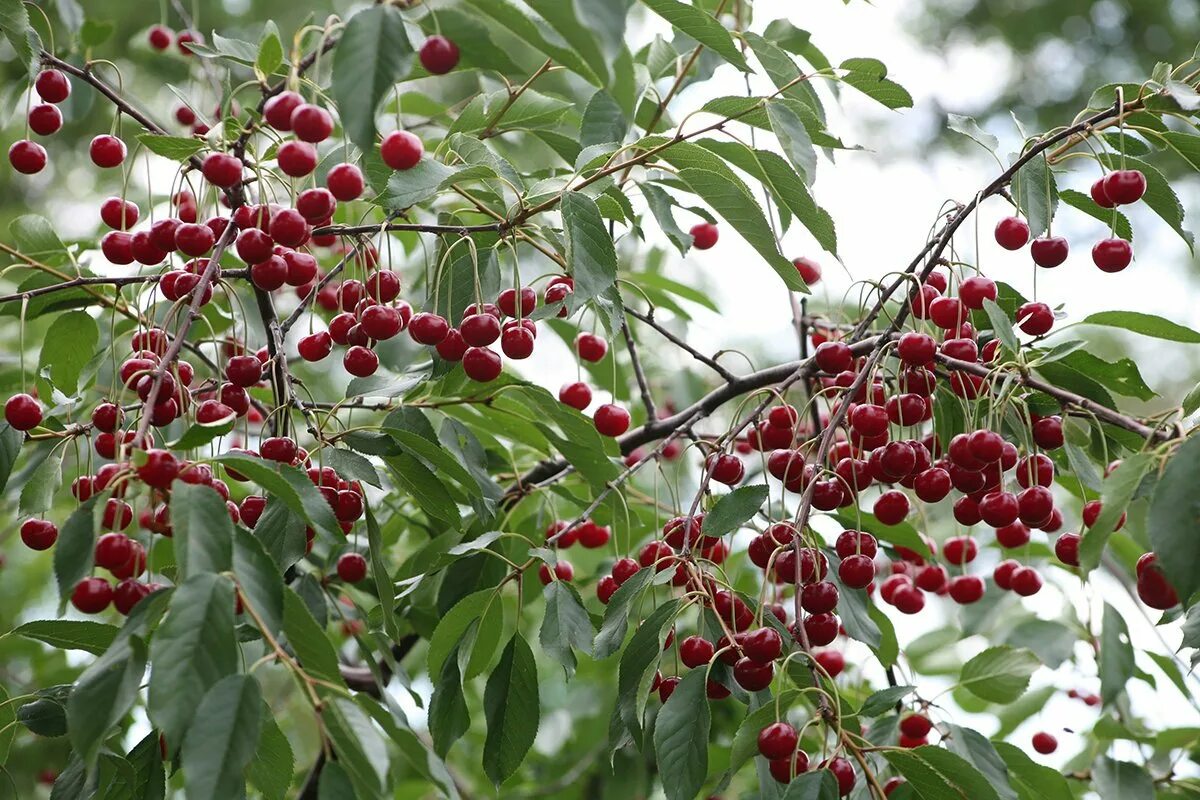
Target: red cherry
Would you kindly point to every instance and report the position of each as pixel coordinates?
(253, 246)
(23, 412)
(438, 55)
(311, 123)
(1026, 581)
(39, 534)
(1112, 255)
(1049, 251)
(1100, 196)
(999, 509)
(401, 150)
(752, 675)
(296, 159)
(481, 364)
(1048, 433)
(279, 448)
(345, 181)
(92, 595)
(1044, 743)
(606, 588)
(1035, 319)
(974, 290)
(315, 205)
(184, 37)
(1153, 588)
(810, 271)
(833, 357)
(289, 228)
(222, 169)
(480, 330)
(278, 110)
(118, 214)
(763, 645)
(159, 37)
(611, 420)
(1012, 233)
(384, 286)
(843, 770)
(507, 301)
(777, 741)
(517, 341)
(1003, 573)
(590, 347)
(857, 571)
(577, 395)
(1122, 186)
(1066, 548)
(27, 157)
(891, 508)
(351, 567)
(694, 651)
(428, 328)
(784, 769)
(704, 235)
(45, 119)
(360, 361)
(107, 151)
(966, 589)
(52, 86)
(159, 470)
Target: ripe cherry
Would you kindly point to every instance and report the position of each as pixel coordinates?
(694, 651)
(857, 571)
(52, 86)
(1153, 588)
(23, 412)
(833, 357)
(752, 675)
(481, 364)
(45, 119)
(113, 550)
(438, 55)
(1066, 548)
(1012, 233)
(1099, 195)
(1044, 743)
(966, 589)
(516, 341)
(704, 235)
(1026, 581)
(27, 157)
(777, 741)
(278, 110)
(360, 361)
(39, 534)
(916, 349)
(184, 38)
(311, 123)
(401, 150)
(1049, 251)
(1035, 319)
(92, 595)
(784, 769)
(315, 205)
(480, 330)
(763, 645)
(891, 508)
(577, 395)
(810, 271)
(726, 468)
(1048, 433)
(296, 159)
(345, 181)
(278, 448)
(590, 347)
(1112, 255)
(611, 420)
(974, 290)
(563, 571)
(222, 169)
(428, 328)
(159, 37)
(159, 470)
(843, 770)
(351, 567)
(107, 151)
(289, 228)
(1124, 186)
(1003, 573)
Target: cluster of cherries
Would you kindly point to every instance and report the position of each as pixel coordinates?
(1117, 188)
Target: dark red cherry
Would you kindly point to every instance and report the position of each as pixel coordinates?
(1012, 233)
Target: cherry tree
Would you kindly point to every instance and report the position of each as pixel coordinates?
(430, 571)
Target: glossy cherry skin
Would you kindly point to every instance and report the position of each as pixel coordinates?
(401, 150)
(810, 271)
(39, 534)
(778, 740)
(92, 595)
(577, 395)
(26, 157)
(1049, 251)
(1112, 255)
(1012, 233)
(1044, 743)
(23, 412)
(107, 151)
(611, 420)
(704, 235)
(351, 567)
(438, 55)
(1124, 186)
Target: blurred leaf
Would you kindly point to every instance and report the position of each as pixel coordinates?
(360, 750)
(70, 634)
(270, 770)
(222, 738)
(935, 774)
(884, 700)
(14, 21)
(1145, 324)
(681, 737)
(1121, 780)
(968, 127)
(702, 27)
(510, 704)
(514, 17)
(999, 674)
(38, 492)
(979, 752)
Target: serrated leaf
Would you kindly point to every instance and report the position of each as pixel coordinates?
(222, 738)
(449, 717)
(884, 700)
(979, 752)
(968, 127)
(591, 256)
(75, 549)
(999, 674)
(635, 672)
(514, 17)
(510, 705)
(203, 532)
(661, 204)
(869, 76)
(702, 27)
(373, 54)
(1118, 490)
(176, 148)
(270, 770)
(307, 638)
(1172, 520)
(70, 634)
(794, 139)
(69, 344)
(1087, 205)
(199, 434)
(937, 774)
(1035, 193)
(38, 492)
(735, 509)
(360, 749)
(1031, 780)
(291, 486)
(681, 737)
(104, 693)
(566, 624)
(603, 121)
(14, 21)
(1145, 324)
(616, 613)
(1001, 326)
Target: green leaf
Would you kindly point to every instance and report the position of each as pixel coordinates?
(884, 700)
(1031, 780)
(1087, 205)
(36, 238)
(566, 624)
(281, 533)
(75, 549)
(734, 509)
(360, 750)
(1001, 326)
(935, 774)
(203, 532)
(372, 56)
(1116, 655)
(271, 768)
(660, 204)
(1035, 193)
(1145, 324)
(425, 487)
(1051, 641)
(1118, 490)
(591, 256)
(794, 139)
(270, 53)
(1121, 780)
(745, 740)
(94, 33)
(176, 148)
(817, 785)
(222, 738)
(454, 624)
(44, 716)
(1174, 510)
(999, 674)
(291, 486)
(259, 580)
(968, 127)
(106, 690)
(70, 634)
(199, 434)
(979, 752)
(449, 717)
(616, 613)
(308, 639)
(384, 587)
(782, 70)
(733, 202)
(38, 492)
(603, 121)
(1159, 196)
(514, 17)
(681, 737)
(69, 344)
(351, 465)
(14, 21)
(635, 673)
(568, 20)
(702, 27)
(193, 649)
(11, 440)
(869, 76)
(510, 705)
